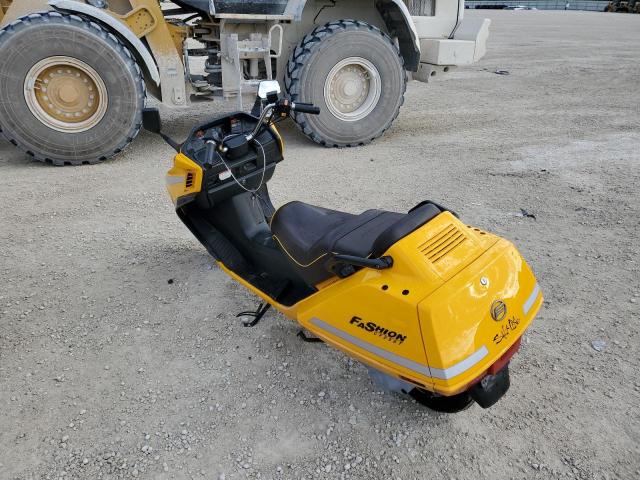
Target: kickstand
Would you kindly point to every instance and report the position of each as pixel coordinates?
(308, 339)
(254, 317)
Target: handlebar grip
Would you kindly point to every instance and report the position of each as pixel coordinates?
(305, 108)
(210, 152)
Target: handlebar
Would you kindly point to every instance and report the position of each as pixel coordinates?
(210, 152)
(283, 108)
(305, 108)
(233, 145)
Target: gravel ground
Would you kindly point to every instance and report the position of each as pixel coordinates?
(120, 356)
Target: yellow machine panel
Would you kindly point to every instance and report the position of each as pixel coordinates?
(419, 320)
(369, 313)
(472, 320)
(184, 178)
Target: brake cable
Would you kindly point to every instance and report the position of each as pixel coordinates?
(264, 168)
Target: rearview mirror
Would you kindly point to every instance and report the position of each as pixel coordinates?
(268, 87)
(151, 120)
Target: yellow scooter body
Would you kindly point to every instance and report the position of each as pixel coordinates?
(455, 300)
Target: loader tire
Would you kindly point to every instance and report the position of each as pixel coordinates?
(71, 93)
(354, 72)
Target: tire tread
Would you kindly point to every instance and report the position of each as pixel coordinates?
(95, 29)
(306, 48)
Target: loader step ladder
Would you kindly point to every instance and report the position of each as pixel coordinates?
(257, 50)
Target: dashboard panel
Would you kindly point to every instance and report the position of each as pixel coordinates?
(231, 173)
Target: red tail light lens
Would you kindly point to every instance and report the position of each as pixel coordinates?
(504, 359)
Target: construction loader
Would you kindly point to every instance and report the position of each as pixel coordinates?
(75, 75)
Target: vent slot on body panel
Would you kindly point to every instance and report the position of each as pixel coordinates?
(189, 181)
(437, 247)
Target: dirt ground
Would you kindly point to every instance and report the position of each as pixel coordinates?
(108, 370)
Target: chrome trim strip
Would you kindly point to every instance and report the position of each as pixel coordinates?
(441, 373)
(380, 352)
(173, 180)
(460, 367)
(531, 300)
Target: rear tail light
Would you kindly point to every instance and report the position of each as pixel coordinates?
(498, 364)
(504, 359)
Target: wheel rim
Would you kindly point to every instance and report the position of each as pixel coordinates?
(352, 89)
(66, 94)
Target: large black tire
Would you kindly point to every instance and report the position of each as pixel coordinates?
(34, 39)
(313, 60)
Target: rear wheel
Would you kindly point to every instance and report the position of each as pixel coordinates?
(355, 74)
(70, 92)
(438, 403)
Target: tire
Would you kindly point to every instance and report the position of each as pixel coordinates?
(92, 106)
(326, 63)
(454, 404)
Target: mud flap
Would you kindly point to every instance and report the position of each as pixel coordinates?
(491, 388)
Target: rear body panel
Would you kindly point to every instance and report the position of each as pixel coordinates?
(472, 320)
(427, 320)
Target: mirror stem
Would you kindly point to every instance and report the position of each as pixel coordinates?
(175, 145)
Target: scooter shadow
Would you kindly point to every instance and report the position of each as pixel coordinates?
(200, 282)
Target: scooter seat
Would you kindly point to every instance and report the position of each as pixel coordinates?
(310, 235)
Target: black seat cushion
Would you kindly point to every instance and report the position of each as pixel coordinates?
(310, 235)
